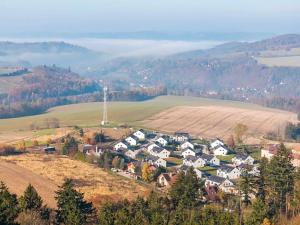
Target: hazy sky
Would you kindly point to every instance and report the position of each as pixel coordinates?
(279, 16)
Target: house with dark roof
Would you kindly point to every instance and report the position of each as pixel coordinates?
(140, 134)
(181, 137)
(160, 152)
(132, 153)
(199, 173)
(194, 161)
(220, 150)
(132, 140)
(211, 160)
(242, 159)
(120, 145)
(216, 142)
(229, 172)
(166, 179)
(222, 183)
(154, 160)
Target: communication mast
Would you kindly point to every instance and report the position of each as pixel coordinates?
(104, 119)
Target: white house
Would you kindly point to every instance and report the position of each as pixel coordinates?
(211, 159)
(220, 150)
(151, 146)
(188, 152)
(160, 152)
(242, 159)
(120, 145)
(216, 142)
(162, 141)
(187, 144)
(194, 161)
(154, 160)
(181, 137)
(224, 184)
(140, 134)
(185, 168)
(132, 153)
(132, 140)
(228, 172)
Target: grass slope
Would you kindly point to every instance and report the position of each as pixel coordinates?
(90, 114)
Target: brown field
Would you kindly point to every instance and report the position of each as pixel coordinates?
(46, 172)
(219, 121)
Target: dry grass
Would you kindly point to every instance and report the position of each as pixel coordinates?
(219, 121)
(97, 185)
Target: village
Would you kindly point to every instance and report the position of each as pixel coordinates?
(163, 156)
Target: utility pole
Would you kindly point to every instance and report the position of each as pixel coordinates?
(105, 118)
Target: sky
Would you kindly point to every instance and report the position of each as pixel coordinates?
(81, 16)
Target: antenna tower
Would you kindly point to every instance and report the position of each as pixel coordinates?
(104, 119)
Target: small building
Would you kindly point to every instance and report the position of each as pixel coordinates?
(132, 153)
(160, 152)
(162, 141)
(188, 152)
(154, 160)
(242, 159)
(185, 168)
(229, 172)
(140, 134)
(224, 184)
(151, 146)
(181, 137)
(194, 161)
(220, 150)
(132, 140)
(166, 179)
(216, 142)
(211, 160)
(187, 144)
(120, 145)
(49, 150)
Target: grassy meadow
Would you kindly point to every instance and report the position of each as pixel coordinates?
(90, 114)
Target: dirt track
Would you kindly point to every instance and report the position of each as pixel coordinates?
(17, 179)
(219, 121)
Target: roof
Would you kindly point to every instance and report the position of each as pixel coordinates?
(226, 168)
(182, 134)
(220, 146)
(152, 158)
(171, 178)
(242, 156)
(216, 179)
(133, 137)
(158, 149)
(192, 158)
(207, 157)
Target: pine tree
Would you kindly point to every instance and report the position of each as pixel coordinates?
(262, 179)
(281, 177)
(71, 207)
(259, 212)
(30, 200)
(106, 214)
(246, 186)
(8, 206)
(186, 189)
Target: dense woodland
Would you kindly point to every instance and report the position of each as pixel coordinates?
(276, 190)
(47, 86)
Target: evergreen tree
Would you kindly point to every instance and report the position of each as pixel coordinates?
(262, 179)
(259, 212)
(281, 177)
(186, 189)
(246, 186)
(8, 206)
(70, 146)
(72, 209)
(30, 200)
(106, 214)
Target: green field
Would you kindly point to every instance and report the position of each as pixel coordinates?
(90, 114)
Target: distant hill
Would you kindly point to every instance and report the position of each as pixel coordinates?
(31, 54)
(228, 71)
(43, 87)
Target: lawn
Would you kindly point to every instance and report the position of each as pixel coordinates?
(226, 158)
(174, 161)
(209, 169)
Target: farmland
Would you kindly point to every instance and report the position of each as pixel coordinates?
(146, 114)
(46, 172)
(293, 61)
(219, 121)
